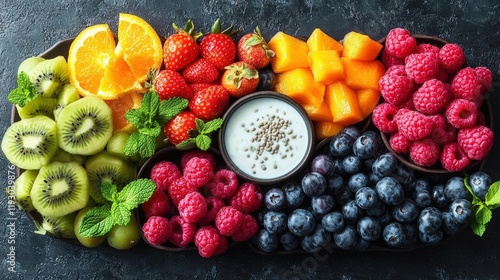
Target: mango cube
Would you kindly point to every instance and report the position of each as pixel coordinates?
(290, 52)
(299, 85)
(326, 66)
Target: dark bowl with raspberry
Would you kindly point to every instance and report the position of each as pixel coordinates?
(435, 115)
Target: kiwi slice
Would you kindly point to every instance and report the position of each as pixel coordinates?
(49, 76)
(106, 167)
(67, 95)
(63, 156)
(30, 143)
(22, 189)
(28, 64)
(60, 188)
(40, 106)
(60, 227)
(85, 126)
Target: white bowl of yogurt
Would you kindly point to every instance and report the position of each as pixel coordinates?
(266, 138)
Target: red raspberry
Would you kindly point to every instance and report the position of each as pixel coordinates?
(432, 97)
(198, 171)
(157, 230)
(179, 189)
(399, 143)
(481, 118)
(425, 152)
(223, 184)
(422, 66)
(208, 240)
(486, 77)
(383, 117)
(395, 89)
(423, 48)
(451, 57)
(453, 158)
(248, 228)
(390, 60)
(228, 220)
(476, 141)
(157, 205)
(223, 246)
(408, 104)
(398, 70)
(214, 204)
(182, 232)
(466, 84)
(186, 156)
(247, 198)
(443, 76)
(461, 113)
(192, 207)
(443, 132)
(414, 125)
(400, 43)
(164, 173)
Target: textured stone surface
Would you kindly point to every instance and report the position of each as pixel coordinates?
(30, 27)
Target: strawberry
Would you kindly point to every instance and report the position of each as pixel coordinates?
(180, 49)
(218, 46)
(177, 129)
(253, 49)
(209, 103)
(200, 71)
(169, 83)
(199, 86)
(240, 79)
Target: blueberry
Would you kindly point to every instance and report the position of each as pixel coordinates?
(375, 135)
(449, 225)
(384, 165)
(358, 181)
(374, 178)
(438, 196)
(313, 184)
(267, 242)
(389, 191)
(294, 195)
(394, 234)
(351, 131)
(267, 79)
(422, 198)
(322, 204)
(366, 198)
(275, 222)
(339, 169)
(260, 216)
(343, 196)
(333, 222)
(480, 183)
(351, 210)
(288, 240)
(365, 146)
(301, 222)
(422, 184)
(346, 238)
(317, 240)
(405, 212)
(369, 228)
(323, 164)
(404, 177)
(429, 220)
(361, 244)
(275, 199)
(455, 189)
(385, 218)
(334, 184)
(341, 144)
(411, 231)
(367, 165)
(461, 210)
(377, 210)
(430, 237)
(352, 164)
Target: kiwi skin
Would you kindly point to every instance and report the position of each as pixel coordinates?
(60, 227)
(28, 64)
(89, 242)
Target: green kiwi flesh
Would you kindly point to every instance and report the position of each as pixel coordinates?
(60, 227)
(60, 188)
(28, 64)
(106, 167)
(117, 143)
(49, 76)
(22, 189)
(85, 126)
(40, 106)
(67, 95)
(63, 156)
(30, 143)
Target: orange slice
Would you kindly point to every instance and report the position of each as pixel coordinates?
(139, 45)
(120, 107)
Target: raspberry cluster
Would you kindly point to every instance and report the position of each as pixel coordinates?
(432, 103)
(197, 202)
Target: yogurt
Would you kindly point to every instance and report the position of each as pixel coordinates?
(266, 138)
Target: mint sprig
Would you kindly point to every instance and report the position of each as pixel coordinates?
(483, 209)
(25, 91)
(99, 220)
(201, 136)
(149, 120)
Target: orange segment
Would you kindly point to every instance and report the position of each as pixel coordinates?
(120, 107)
(139, 45)
(117, 80)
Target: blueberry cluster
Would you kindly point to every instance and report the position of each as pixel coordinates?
(355, 194)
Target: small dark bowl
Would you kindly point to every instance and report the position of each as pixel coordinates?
(296, 168)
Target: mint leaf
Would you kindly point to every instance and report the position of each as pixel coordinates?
(212, 126)
(136, 117)
(97, 221)
(153, 129)
(135, 193)
(203, 142)
(150, 104)
(108, 190)
(478, 229)
(25, 91)
(492, 198)
(170, 108)
(186, 144)
(146, 145)
(120, 214)
(483, 215)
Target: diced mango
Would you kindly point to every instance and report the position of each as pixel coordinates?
(343, 102)
(319, 114)
(326, 66)
(290, 52)
(319, 40)
(368, 100)
(361, 74)
(299, 85)
(360, 46)
(326, 129)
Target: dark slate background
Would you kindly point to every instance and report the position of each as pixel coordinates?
(29, 28)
